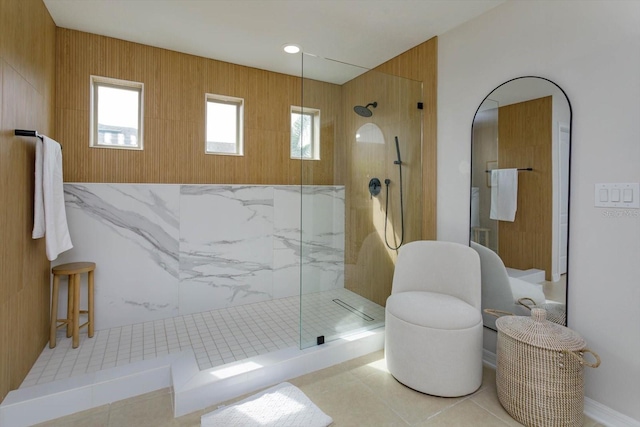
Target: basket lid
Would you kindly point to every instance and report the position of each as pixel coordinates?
(539, 332)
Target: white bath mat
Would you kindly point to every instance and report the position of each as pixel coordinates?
(283, 405)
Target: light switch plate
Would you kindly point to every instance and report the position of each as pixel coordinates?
(618, 195)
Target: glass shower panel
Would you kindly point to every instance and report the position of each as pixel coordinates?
(349, 234)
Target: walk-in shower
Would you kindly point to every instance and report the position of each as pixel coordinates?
(234, 272)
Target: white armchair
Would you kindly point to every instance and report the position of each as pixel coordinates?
(501, 292)
(433, 327)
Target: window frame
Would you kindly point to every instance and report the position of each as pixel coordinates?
(227, 100)
(99, 81)
(315, 125)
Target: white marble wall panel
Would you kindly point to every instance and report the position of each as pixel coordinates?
(226, 246)
(162, 250)
(131, 232)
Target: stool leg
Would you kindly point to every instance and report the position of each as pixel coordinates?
(76, 310)
(54, 311)
(90, 304)
(70, 294)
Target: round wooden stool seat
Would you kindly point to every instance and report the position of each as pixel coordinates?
(72, 270)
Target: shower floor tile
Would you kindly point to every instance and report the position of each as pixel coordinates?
(216, 337)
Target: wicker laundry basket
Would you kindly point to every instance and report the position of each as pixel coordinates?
(539, 373)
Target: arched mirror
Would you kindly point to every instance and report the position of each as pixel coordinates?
(521, 147)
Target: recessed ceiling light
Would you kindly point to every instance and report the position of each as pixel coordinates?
(291, 48)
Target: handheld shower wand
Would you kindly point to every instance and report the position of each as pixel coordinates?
(399, 161)
(386, 215)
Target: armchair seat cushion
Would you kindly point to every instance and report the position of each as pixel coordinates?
(433, 310)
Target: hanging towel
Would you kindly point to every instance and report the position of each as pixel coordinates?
(504, 194)
(38, 201)
(49, 200)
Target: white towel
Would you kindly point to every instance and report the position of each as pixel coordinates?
(38, 201)
(49, 200)
(504, 194)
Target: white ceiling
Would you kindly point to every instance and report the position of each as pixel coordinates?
(252, 32)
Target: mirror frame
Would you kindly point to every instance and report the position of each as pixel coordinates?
(568, 174)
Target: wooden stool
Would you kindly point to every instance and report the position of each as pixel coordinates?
(73, 271)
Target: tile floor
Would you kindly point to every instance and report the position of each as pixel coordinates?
(359, 392)
(216, 337)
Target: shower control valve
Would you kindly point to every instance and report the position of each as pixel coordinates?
(374, 187)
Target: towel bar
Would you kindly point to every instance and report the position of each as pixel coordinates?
(22, 132)
(520, 169)
(34, 133)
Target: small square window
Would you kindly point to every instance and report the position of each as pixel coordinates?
(116, 113)
(305, 133)
(224, 125)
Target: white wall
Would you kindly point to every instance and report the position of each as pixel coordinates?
(592, 50)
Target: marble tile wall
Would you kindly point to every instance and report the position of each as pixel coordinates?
(164, 250)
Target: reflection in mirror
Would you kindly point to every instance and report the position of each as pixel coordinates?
(520, 197)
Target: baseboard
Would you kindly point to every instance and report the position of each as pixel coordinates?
(607, 416)
(594, 410)
(489, 358)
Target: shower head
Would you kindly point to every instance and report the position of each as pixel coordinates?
(365, 111)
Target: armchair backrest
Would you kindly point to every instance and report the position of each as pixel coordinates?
(437, 266)
(496, 288)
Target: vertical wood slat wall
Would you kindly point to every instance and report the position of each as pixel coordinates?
(27, 90)
(369, 263)
(175, 85)
(524, 132)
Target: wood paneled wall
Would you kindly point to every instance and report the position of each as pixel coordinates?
(525, 140)
(27, 76)
(174, 116)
